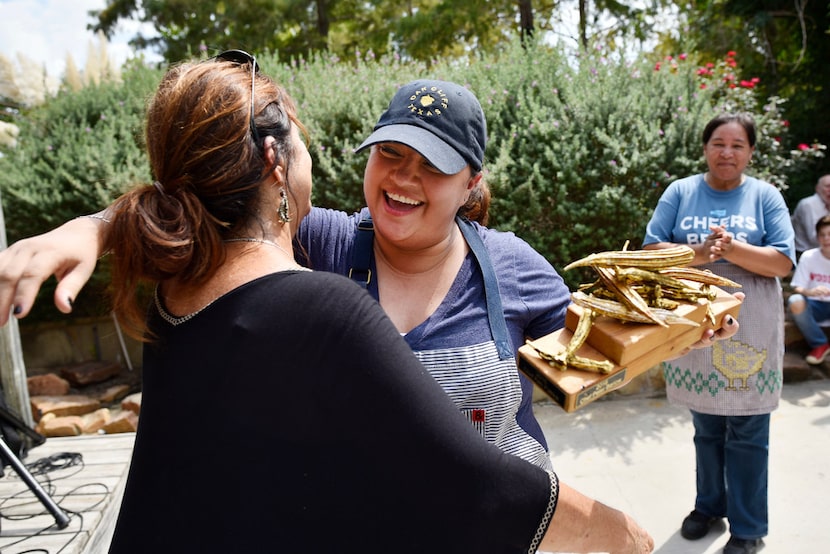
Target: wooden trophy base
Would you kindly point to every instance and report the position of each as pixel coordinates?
(633, 348)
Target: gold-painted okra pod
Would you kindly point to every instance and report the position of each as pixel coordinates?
(617, 310)
(699, 275)
(563, 362)
(627, 296)
(652, 259)
(583, 327)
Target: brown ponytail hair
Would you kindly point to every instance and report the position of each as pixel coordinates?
(208, 168)
(477, 207)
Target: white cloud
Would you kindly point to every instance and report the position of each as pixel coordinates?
(47, 30)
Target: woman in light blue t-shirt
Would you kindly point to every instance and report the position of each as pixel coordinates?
(739, 227)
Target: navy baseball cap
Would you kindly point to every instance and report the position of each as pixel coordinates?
(440, 120)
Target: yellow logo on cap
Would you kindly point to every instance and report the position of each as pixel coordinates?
(428, 101)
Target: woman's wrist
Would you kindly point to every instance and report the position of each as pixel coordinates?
(101, 223)
(98, 216)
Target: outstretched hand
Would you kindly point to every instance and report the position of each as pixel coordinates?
(69, 252)
(710, 336)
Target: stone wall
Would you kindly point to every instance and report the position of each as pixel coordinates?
(50, 345)
(79, 374)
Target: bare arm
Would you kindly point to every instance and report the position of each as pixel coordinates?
(581, 524)
(763, 260)
(818, 291)
(68, 252)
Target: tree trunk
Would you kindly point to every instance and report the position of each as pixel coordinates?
(526, 18)
(323, 22)
(583, 23)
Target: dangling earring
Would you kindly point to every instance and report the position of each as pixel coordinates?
(283, 212)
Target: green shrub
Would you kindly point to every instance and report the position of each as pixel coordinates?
(75, 154)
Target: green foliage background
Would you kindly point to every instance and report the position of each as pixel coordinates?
(75, 154)
(579, 150)
(784, 44)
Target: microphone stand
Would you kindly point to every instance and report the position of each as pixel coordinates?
(61, 518)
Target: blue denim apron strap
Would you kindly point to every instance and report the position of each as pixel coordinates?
(361, 269)
(495, 312)
(361, 273)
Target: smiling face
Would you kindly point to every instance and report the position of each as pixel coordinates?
(413, 205)
(727, 152)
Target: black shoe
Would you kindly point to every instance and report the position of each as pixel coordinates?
(742, 546)
(696, 525)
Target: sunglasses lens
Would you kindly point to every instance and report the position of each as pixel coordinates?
(241, 57)
(238, 56)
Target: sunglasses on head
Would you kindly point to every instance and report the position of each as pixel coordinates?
(241, 57)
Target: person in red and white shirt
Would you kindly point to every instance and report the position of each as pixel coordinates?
(810, 305)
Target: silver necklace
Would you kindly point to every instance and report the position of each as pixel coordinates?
(269, 243)
(171, 319)
(262, 241)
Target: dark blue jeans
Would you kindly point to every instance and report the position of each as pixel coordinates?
(732, 455)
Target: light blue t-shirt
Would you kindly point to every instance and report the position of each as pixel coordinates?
(754, 213)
